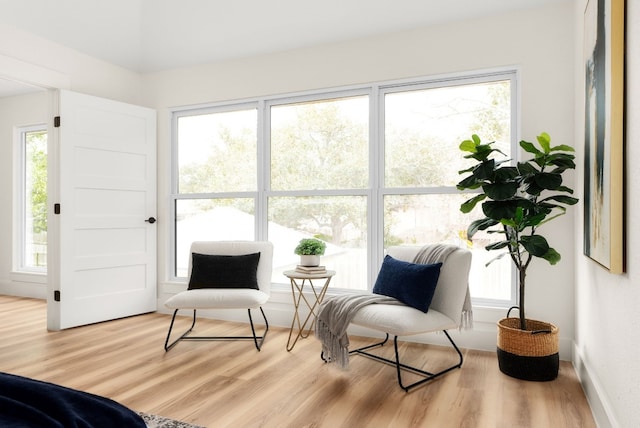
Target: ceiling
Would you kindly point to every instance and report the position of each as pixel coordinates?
(154, 35)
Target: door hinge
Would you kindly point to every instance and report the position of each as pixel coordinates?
(56, 122)
(56, 208)
(56, 295)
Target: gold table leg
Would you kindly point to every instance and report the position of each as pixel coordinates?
(297, 291)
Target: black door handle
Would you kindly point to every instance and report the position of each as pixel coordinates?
(151, 220)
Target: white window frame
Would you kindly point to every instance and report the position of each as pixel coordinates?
(20, 200)
(375, 192)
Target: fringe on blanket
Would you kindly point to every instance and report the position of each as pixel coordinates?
(332, 349)
(466, 323)
(334, 317)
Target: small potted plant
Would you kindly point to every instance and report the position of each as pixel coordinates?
(516, 201)
(310, 250)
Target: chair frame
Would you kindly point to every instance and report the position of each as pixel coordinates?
(257, 340)
(400, 367)
(247, 299)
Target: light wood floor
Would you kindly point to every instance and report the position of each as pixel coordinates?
(230, 384)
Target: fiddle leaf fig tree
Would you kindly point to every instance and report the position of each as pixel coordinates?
(517, 200)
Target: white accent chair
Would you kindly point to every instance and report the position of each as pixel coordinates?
(445, 312)
(226, 298)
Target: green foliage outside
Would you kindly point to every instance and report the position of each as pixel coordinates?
(324, 149)
(36, 154)
(36, 198)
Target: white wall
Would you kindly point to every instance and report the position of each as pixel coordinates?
(42, 62)
(539, 42)
(16, 111)
(546, 45)
(607, 321)
(27, 58)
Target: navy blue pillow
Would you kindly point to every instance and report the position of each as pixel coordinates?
(413, 284)
(214, 271)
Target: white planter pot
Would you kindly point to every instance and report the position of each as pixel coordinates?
(310, 260)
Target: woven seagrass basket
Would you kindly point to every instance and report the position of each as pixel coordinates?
(530, 354)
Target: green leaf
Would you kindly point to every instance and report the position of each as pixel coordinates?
(529, 147)
(552, 256)
(468, 146)
(481, 224)
(525, 168)
(476, 139)
(509, 222)
(470, 204)
(534, 220)
(562, 148)
(519, 215)
(545, 142)
(482, 152)
(560, 156)
(484, 170)
(536, 245)
(497, 210)
(470, 182)
(506, 173)
(497, 245)
(531, 187)
(500, 191)
(564, 199)
(561, 161)
(564, 189)
(547, 180)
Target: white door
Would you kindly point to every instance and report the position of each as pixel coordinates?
(102, 203)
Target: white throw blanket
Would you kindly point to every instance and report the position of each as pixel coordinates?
(336, 313)
(333, 319)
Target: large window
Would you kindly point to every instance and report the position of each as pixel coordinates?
(32, 240)
(361, 168)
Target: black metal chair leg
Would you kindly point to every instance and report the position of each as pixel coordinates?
(253, 330)
(257, 340)
(400, 367)
(168, 346)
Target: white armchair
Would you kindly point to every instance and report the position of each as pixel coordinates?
(449, 307)
(225, 275)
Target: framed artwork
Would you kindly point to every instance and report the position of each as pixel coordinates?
(604, 133)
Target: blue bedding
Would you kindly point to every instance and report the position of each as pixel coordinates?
(34, 404)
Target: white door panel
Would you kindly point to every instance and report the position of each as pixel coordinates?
(103, 264)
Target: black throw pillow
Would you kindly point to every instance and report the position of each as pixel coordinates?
(413, 284)
(222, 271)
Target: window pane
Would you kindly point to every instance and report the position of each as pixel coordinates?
(211, 148)
(341, 221)
(320, 145)
(35, 199)
(425, 219)
(321, 167)
(423, 129)
(211, 220)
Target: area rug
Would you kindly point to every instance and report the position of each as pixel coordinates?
(155, 421)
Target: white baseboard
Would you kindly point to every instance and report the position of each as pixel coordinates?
(24, 289)
(598, 401)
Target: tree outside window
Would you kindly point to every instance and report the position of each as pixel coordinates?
(342, 168)
(34, 236)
